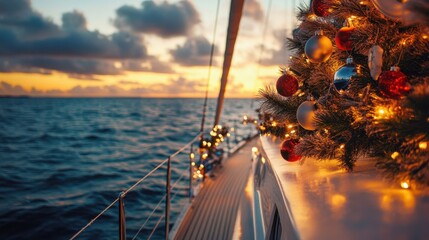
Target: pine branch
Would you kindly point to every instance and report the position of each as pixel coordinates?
(281, 108)
(319, 146)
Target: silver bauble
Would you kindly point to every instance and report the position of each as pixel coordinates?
(305, 115)
(318, 48)
(344, 75)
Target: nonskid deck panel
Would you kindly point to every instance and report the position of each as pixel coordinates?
(213, 212)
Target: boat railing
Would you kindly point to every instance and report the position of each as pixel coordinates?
(166, 198)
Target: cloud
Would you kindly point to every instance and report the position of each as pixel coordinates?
(181, 85)
(32, 43)
(277, 55)
(72, 65)
(274, 51)
(174, 87)
(253, 10)
(84, 77)
(75, 43)
(15, 7)
(18, 15)
(73, 21)
(9, 90)
(164, 19)
(152, 64)
(194, 52)
(128, 82)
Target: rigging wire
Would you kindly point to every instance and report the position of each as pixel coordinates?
(93, 220)
(150, 215)
(156, 226)
(203, 119)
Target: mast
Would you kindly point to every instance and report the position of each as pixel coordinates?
(235, 13)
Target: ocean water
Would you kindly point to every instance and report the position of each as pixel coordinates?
(62, 161)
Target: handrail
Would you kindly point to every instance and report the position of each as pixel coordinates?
(159, 204)
(93, 220)
(124, 193)
(185, 146)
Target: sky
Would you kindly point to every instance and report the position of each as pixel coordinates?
(132, 48)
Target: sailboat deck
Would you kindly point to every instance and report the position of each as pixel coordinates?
(213, 212)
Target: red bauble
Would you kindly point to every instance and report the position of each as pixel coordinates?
(342, 39)
(288, 150)
(287, 85)
(393, 84)
(321, 7)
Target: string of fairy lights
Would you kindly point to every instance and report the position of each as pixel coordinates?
(362, 103)
(208, 150)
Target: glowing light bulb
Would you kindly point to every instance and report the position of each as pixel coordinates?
(405, 184)
(382, 112)
(342, 146)
(394, 155)
(312, 16)
(254, 149)
(192, 155)
(423, 145)
(290, 126)
(193, 163)
(274, 124)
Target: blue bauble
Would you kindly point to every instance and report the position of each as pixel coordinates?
(344, 75)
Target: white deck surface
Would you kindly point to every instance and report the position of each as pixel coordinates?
(328, 203)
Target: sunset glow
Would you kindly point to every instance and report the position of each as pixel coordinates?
(82, 49)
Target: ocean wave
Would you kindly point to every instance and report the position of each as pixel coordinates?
(105, 130)
(65, 160)
(72, 177)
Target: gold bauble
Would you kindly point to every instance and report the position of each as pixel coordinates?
(318, 48)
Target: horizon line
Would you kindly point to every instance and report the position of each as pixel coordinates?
(143, 97)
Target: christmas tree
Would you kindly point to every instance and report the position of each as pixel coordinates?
(357, 86)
